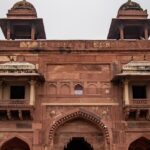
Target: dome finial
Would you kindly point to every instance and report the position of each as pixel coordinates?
(24, 1)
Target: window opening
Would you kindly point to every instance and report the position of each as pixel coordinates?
(17, 92)
(132, 115)
(3, 115)
(143, 114)
(14, 114)
(139, 92)
(26, 115)
(133, 32)
(22, 31)
(78, 90)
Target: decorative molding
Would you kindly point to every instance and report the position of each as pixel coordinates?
(80, 104)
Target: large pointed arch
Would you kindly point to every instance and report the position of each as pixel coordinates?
(141, 143)
(83, 114)
(15, 143)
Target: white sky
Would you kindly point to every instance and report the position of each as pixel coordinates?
(75, 19)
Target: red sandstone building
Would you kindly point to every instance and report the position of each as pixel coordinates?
(75, 95)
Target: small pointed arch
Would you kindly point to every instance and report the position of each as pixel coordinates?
(65, 89)
(92, 89)
(141, 143)
(15, 143)
(78, 89)
(79, 114)
(52, 89)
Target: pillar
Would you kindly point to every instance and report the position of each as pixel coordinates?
(126, 92)
(9, 114)
(121, 29)
(32, 92)
(45, 147)
(20, 114)
(8, 30)
(146, 32)
(137, 114)
(1, 90)
(33, 32)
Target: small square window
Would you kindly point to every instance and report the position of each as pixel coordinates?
(17, 92)
(139, 92)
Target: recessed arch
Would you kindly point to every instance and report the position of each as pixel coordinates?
(15, 143)
(52, 89)
(65, 89)
(81, 114)
(92, 89)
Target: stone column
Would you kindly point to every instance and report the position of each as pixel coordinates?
(8, 31)
(1, 90)
(45, 147)
(33, 32)
(146, 32)
(32, 92)
(126, 92)
(121, 29)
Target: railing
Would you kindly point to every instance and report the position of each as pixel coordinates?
(140, 101)
(14, 102)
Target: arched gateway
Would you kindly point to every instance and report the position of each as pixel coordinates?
(15, 144)
(79, 129)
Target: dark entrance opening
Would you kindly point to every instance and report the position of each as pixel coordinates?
(78, 143)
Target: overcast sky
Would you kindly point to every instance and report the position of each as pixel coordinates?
(75, 19)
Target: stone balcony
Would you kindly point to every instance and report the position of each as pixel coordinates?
(137, 110)
(15, 110)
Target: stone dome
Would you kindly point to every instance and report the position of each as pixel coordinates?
(130, 6)
(131, 10)
(22, 8)
(23, 5)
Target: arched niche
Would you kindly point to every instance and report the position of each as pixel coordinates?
(65, 89)
(52, 89)
(92, 89)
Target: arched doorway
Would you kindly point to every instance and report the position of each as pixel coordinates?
(78, 143)
(140, 144)
(78, 130)
(82, 124)
(15, 144)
